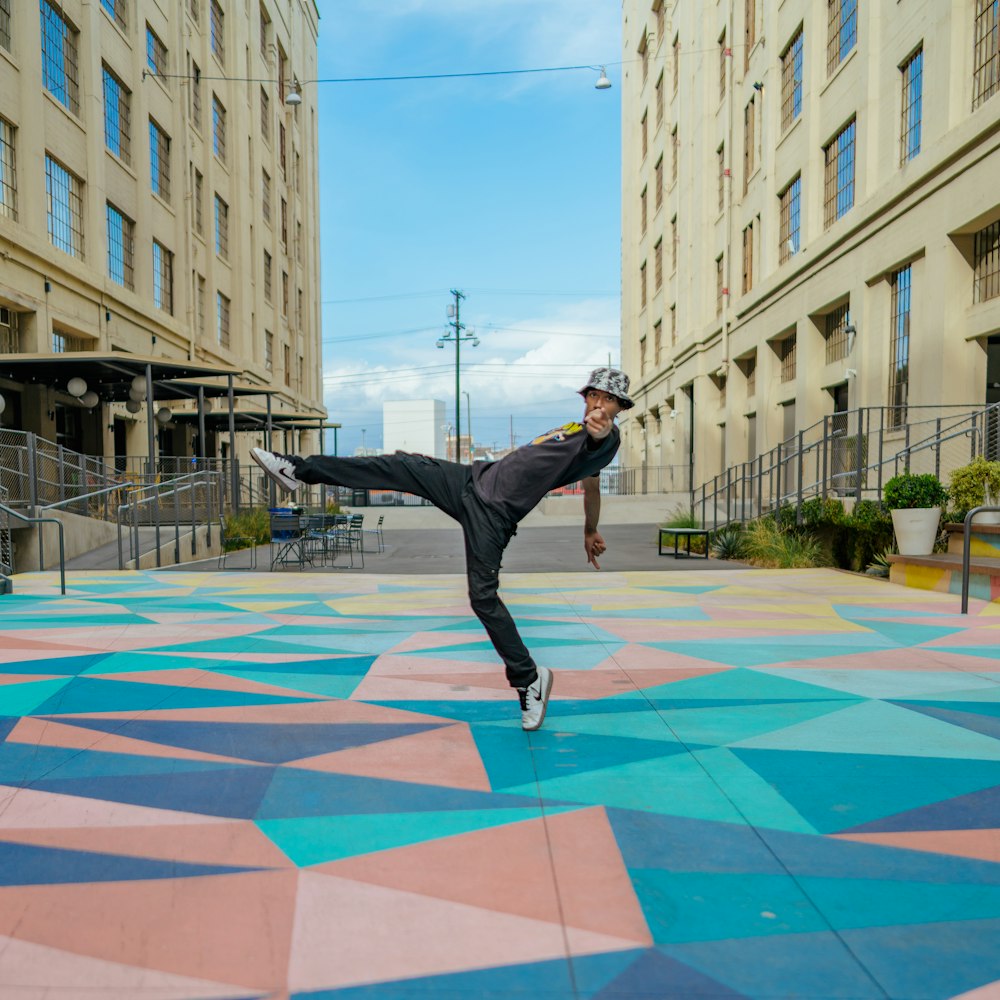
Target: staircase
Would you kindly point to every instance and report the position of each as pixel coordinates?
(942, 571)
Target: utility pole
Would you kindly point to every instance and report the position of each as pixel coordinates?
(456, 335)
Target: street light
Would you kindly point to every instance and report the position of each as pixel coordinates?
(458, 337)
(468, 423)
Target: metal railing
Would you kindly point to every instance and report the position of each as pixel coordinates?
(967, 549)
(8, 512)
(850, 455)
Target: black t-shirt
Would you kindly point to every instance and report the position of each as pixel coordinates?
(521, 479)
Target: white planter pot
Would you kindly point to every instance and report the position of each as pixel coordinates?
(916, 530)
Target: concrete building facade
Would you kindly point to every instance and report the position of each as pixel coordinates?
(810, 217)
(158, 196)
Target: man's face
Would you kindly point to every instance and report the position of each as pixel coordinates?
(595, 399)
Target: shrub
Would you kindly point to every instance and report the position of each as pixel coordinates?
(879, 565)
(770, 547)
(727, 542)
(914, 490)
(818, 512)
(973, 485)
(248, 527)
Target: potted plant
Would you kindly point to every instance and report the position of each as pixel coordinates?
(974, 485)
(915, 501)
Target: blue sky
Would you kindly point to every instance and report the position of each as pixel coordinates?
(507, 188)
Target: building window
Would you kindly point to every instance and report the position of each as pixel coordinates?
(659, 99)
(838, 178)
(785, 350)
(265, 195)
(284, 225)
(986, 52)
(748, 258)
(749, 30)
(721, 154)
(284, 293)
(199, 214)
(986, 261)
(673, 324)
(642, 212)
(723, 55)
(117, 10)
(791, 81)
(842, 31)
(159, 161)
(195, 84)
(265, 116)
(677, 63)
(913, 90)
(156, 53)
(642, 356)
(66, 342)
(117, 105)
(749, 366)
(789, 220)
(201, 305)
(644, 55)
(720, 288)
(8, 171)
(121, 253)
(282, 160)
(218, 129)
(163, 278)
(658, 181)
(195, 7)
(10, 334)
(657, 342)
(221, 228)
(899, 346)
(222, 318)
(59, 59)
(658, 263)
(642, 285)
(269, 350)
(673, 244)
(675, 155)
(265, 33)
(298, 242)
(644, 131)
(835, 332)
(64, 195)
(267, 276)
(282, 71)
(287, 357)
(749, 142)
(5, 24)
(217, 32)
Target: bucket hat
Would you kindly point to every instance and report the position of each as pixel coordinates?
(611, 381)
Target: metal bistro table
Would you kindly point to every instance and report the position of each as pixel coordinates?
(687, 534)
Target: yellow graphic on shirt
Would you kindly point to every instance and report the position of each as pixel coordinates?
(559, 433)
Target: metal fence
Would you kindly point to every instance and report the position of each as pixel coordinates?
(851, 455)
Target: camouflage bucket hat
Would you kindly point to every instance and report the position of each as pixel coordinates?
(611, 381)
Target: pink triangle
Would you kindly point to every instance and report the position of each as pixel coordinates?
(991, 991)
(225, 928)
(448, 757)
(25, 807)
(429, 689)
(982, 843)
(39, 970)
(595, 891)
(347, 934)
(233, 843)
(29, 678)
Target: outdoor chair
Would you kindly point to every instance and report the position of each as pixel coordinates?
(225, 537)
(288, 542)
(377, 532)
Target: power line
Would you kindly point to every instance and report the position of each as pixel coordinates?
(478, 291)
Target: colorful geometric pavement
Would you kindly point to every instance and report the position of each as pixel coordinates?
(750, 784)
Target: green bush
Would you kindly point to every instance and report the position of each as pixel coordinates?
(970, 485)
(879, 565)
(683, 517)
(771, 547)
(818, 512)
(727, 542)
(910, 489)
(248, 527)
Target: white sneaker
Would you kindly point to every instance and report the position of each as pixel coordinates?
(278, 467)
(535, 699)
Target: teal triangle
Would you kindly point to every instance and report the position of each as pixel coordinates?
(774, 649)
(686, 590)
(748, 685)
(642, 724)
(314, 840)
(984, 652)
(838, 791)
(910, 633)
(876, 727)
(24, 699)
(321, 685)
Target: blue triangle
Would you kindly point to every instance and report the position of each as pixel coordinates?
(654, 974)
(974, 811)
(342, 666)
(28, 864)
(270, 743)
(978, 717)
(54, 664)
(7, 723)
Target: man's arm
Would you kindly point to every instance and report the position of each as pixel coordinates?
(593, 543)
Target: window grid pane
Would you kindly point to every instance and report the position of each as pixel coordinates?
(265, 116)
(789, 204)
(986, 257)
(163, 278)
(8, 171)
(658, 263)
(986, 52)
(65, 208)
(843, 31)
(899, 347)
(721, 154)
(195, 84)
(835, 332)
(675, 155)
(156, 52)
(748, 258)
(749, 142)
(118, 11)
(217, 32)
(199, 214)
(659, 99)
(722, 65)
(59, 63)
(268, 350)
(719, 286)
(222, 318)
(218, 129)
(642, 285)
(121, 231)
(267, 276)
(642, 212)
(5, 24)
(791, 81)
(117, 125)
(159, 161)
(658, 180)
(221, 228)
(265, 24)
(194, 6)
(910, 120)
(265, 201)
(786, 352)
(839, 176)
(749, 30)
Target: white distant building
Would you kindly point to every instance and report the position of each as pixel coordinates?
(414, 425)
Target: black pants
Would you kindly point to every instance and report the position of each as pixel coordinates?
(448, 486)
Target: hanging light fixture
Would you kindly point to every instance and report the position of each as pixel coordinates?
(163, 415)
(294, 96)
(90, 399)
(139, 385)
(136, 395)
(76, 386)
(133, 406)
(603, 83)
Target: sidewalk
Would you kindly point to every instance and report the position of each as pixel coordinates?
(759, 784)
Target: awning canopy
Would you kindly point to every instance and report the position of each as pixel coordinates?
(255, 419)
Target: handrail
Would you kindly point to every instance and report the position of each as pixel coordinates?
(86, 496)
(62, 545)
(966, 546)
